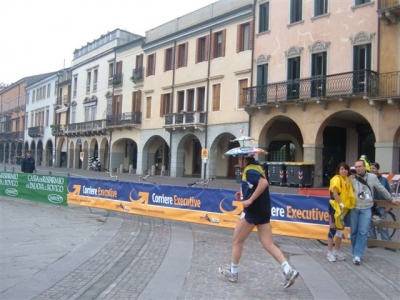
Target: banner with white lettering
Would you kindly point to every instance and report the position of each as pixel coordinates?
(293, 215)
(40, 188)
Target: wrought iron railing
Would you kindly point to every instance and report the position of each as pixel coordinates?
(85, 127)
(36, 131)
(117, 79)
(362, 82)
(187, 118)
(137, 75)
(128, 118)
(389, 84)
(13, 136)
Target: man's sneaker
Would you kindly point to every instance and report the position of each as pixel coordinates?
(331, 257)
(227, 273)
(290, 278)
(356, 261)
(339, 256)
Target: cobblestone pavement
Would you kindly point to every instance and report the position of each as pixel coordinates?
(50, 252)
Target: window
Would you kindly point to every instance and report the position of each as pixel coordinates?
(320, 7)
(293, 73)
(33, 96)
(318, 73)
(262, 75)
(47, 117)
(216, 97)
(358, 2)
(48, 90)
(136, 101)
(168, 59)
(244, 37)
(88, 81)
(201, 96)
(165, 105)
(263, 24)
(95, 77)
(116, 106)
(93, 112)
(75, 87)
(190, 100)
(181, 60)
(87, 111)
(139, 61)
(181, 101)
(242, 85)
(148, 107)
(110, 73)
(296, 10)
(202, 49)
(151, 65)
(218, 44)
(31, 119)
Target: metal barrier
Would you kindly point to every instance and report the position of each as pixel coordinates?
(394, 180)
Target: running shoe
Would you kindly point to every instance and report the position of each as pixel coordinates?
(356, 261)
(331, 257)
(227, 273)
(339, 256)
(290, 278)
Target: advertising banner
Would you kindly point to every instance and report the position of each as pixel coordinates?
(40, 188)
(293, 215)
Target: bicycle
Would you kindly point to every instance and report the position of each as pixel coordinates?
(201, 183)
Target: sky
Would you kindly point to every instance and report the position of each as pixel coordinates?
(40, 36)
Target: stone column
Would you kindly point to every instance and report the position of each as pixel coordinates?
(313, 154)
(387, 155)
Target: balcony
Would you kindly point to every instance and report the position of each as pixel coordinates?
(57, 130)
(16, 136)
(137, 75)
(36, 131)
(389, 11)
(319, 89)
(185, 120)
(91, 128)
(125, 120)
(117, 79)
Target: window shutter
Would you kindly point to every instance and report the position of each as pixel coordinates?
(186, 53)
(196, 58)
(178, 57)
(223, 42)
(154, 64)
(133, 101)
(148, 66)
(148, 107)
(213, 45)
(120, 104)
(165, 59)
(251, 34)
(139, 100)
(113, 105)
(207, 44)
(119, 67)
(140, 61)
(162, 104)
(239, 38)
(171, 104)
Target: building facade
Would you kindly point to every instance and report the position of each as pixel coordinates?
(41, 97)
(316, 94)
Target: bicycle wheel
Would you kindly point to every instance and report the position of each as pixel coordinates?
(391, 217)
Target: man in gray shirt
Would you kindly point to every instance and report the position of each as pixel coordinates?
(360, 216)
